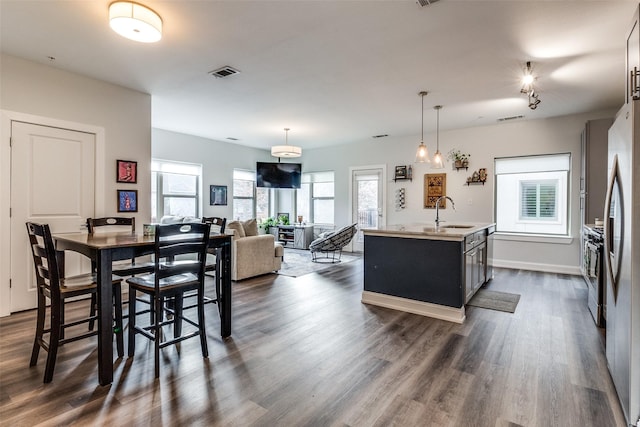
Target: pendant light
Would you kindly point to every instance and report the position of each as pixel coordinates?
(135, 21)
(422, 155)
(437, 163)
(286, 150)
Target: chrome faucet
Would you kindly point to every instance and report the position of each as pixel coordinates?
(438, 208)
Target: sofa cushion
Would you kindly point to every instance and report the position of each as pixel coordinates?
(237, 226)
(250, 227)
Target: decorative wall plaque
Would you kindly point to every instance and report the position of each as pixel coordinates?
(435, 185)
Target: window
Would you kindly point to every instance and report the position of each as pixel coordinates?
(249, 201)
(315, 198)
(175, 189)
(532, 194)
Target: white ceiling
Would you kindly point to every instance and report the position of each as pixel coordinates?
(338, 71)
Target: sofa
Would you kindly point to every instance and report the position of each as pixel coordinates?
(252, 254)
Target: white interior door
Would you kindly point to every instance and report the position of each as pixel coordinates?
(368, 201)
(52, 182)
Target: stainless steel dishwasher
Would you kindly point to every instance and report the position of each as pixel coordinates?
(489, 254)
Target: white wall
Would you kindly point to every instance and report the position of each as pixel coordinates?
(125, 116)
(475, 202)
(218, 160)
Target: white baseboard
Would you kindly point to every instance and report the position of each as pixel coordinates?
(451, 314)
(534, 266)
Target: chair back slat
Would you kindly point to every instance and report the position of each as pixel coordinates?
(219, 223)
(92, 223)
(181, 240)
(45, 259)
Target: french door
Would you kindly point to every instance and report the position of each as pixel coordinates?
(367, 200)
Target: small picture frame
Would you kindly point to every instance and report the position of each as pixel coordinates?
(218, 195)
(401, 172)
(127, 200)
(127, 171)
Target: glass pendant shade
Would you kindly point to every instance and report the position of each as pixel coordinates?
(422, 155)
(135, 21)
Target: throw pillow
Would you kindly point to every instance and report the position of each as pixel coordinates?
(250, 227)
(236, 225)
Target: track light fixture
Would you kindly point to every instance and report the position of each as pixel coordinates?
(527, 87)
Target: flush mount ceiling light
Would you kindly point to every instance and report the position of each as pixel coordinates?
(286, 150)
(422, 155)
(135, 21)
(527, 87)
(438, 163)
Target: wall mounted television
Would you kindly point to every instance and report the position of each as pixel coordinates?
(278, 175)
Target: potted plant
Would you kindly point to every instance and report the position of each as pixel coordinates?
(460, 159)
(267, 223)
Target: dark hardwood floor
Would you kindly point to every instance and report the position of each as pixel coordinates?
(306, 352)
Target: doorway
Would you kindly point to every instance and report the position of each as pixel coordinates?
(368, 201)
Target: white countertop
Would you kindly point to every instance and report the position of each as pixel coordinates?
(446, 230)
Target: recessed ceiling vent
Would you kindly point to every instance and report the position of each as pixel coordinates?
(382, 135)
(424, 3)
(506, 119)
(230, 138)
(223, 72)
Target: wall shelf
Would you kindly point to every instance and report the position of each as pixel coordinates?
(402, 179)
(475, 182)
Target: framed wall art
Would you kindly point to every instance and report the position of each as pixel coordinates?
(435, 185)
(218, 195)
(127, 171)
(127, 200)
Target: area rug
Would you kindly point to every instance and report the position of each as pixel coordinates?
(298, 262)
(494, 300)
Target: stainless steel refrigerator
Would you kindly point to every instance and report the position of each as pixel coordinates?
(622, 258)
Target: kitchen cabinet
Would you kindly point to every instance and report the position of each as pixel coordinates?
(593, 171)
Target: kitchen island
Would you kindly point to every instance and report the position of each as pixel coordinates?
(427, 270)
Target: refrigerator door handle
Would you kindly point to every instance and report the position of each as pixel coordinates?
(611, 258)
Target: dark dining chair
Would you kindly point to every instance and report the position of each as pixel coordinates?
(217, 225)
(52, 285)
(180, 257)
(124, 268)
(120, 268)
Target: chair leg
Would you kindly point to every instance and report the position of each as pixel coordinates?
(158, 333)
(132, 322)
(57, 308)
(117, 301)
(177, 318)
(201, 324)
(93, 310)
(42, 311)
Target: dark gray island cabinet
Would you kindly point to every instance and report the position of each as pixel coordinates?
(421, 269)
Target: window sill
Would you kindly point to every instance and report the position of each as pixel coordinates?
(534, 238)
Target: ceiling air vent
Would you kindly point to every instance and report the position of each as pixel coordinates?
(424, 3)
(230, 138)
(225, 71)
(382, 135)
(506, 119)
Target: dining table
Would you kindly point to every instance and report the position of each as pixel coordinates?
(104, 248)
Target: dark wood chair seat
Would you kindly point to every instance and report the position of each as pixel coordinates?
(52, 285)
(172, 279)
